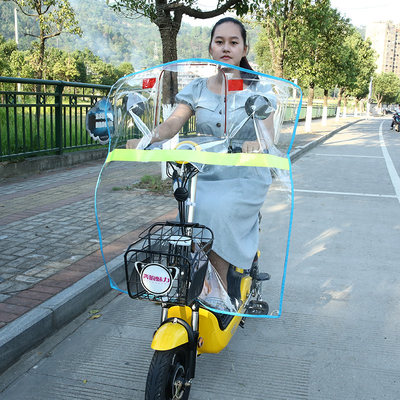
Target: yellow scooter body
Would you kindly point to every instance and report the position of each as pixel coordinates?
(212, 339)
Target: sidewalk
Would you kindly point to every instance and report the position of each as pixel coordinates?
(50, 263)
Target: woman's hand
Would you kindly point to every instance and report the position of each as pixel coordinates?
(251, 147)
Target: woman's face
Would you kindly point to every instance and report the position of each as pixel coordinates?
(227, 44)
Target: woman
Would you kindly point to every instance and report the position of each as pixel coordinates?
(228, 198)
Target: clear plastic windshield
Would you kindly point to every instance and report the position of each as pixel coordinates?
(219, 137)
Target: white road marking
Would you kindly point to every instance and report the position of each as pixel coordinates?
(345, 155)
(387, 196)
(389, 164)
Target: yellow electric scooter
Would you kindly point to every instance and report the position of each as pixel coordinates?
(169, 265)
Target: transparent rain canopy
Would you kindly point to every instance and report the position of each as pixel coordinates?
(235, 142)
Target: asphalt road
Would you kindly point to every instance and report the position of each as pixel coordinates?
(338, 337)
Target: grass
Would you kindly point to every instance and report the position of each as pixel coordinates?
(22, 130)
(150, 183)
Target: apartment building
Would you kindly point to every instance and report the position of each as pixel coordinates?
(385, 38)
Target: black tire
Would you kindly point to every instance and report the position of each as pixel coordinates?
(167, 375)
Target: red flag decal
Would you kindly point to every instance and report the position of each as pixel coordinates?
(235, 84)
(148, 83)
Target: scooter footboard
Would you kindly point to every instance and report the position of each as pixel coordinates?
(212, 337)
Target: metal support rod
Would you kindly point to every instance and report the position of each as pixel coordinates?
(193, 186)
(195, 318)
(164, 313)
(58, 117)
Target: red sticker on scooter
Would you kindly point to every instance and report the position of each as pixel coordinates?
(148, 83)
(235, 84)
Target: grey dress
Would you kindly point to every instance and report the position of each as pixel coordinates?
(228, 198)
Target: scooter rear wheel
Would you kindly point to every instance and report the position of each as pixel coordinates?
(166, 379)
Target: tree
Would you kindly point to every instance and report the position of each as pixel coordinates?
(386, 88)
(6, 49)
(94, 70)
(53, 17)
(60, 65)
(276, 20)
(21, 64)
(354, 68)
(314, 51)
(365, 65)
(167, 15)
(125, 68)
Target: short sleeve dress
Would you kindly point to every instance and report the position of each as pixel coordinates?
(228, 198)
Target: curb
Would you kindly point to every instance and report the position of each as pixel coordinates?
(33, 327)
(35, 165)
(301, 150)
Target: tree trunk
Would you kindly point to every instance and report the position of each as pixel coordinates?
(41, 57)
(325, 108)
(356, 106)
(169, 29)
(345, 107)
(169, 36)
(277, 59)
(307, 126)
(339, 103)
(379, 100)
(280, 65)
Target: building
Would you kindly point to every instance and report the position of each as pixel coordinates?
(385, 38)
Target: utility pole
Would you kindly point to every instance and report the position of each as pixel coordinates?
(16, 25)
(16, 39)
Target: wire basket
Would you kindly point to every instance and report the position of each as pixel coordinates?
(168, 263)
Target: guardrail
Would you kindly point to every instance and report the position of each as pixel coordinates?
(39, 117)
(43, 117)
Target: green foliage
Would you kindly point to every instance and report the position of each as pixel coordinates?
(52, 16)
(264, 53)
(125, 68)
(60, 66)
(7, 47)
(311, 41)
(386, 88)
(314, 48)
(167, 16)
(277, 19)
(110, 36)
(154, 183)
(363, 65)
(113, 38)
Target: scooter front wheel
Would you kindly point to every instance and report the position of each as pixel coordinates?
(167, 377)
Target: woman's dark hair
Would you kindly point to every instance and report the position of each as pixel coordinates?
(244, 63)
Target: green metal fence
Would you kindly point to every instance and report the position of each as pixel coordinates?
(39, 117)
(45, 117)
